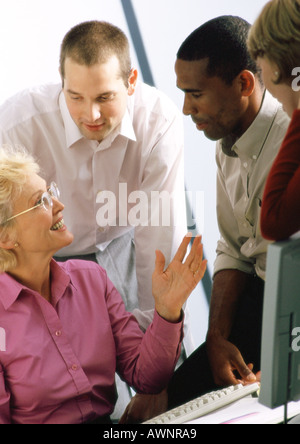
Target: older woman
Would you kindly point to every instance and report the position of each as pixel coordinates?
(64, 330)
(274, 42)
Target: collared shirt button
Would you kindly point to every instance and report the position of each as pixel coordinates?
(245, 165)
(58, 333)
(74, 367)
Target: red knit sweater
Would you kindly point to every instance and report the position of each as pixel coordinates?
(280, 215)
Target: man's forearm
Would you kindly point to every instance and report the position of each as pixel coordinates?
(228, 287)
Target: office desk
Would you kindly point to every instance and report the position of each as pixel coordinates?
(249, 411)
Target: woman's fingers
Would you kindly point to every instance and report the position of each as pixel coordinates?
(181, 252)
(194, 261)
(195, 256)
(160, 262)
(198, 275)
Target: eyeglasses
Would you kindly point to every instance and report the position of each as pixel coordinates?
(45, 202)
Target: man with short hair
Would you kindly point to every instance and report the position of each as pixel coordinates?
(109, 141)
(225, 97)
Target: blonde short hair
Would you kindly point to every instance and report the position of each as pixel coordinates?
(15, 167)
(276, 36)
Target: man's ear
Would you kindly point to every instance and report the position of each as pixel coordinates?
(132, 81)
(247, 82)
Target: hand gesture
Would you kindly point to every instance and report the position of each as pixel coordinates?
(172, 287)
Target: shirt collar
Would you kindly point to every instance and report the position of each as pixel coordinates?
(12, 289)
(71, 129)
(127, 129)
(73, 133)
(253, 140)
(60, 281)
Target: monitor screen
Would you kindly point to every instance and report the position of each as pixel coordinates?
(280, 354)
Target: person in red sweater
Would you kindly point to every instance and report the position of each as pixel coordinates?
(274, 42)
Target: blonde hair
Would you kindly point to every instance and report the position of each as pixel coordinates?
(276, 36)
(15, 167)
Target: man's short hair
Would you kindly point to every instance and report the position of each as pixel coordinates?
(94, 42)
(223, 41)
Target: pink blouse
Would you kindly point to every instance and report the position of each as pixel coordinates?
(58, 361)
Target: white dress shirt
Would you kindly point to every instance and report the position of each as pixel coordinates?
(243, 167)
(145, 153)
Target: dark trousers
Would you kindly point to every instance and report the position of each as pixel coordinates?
(194, 377)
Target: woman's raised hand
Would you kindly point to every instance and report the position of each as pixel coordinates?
(172, 287)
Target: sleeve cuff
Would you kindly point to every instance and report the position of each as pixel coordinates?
(225, 262)
(168, 332)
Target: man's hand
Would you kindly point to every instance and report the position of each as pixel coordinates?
(144, 407)
(227, 364)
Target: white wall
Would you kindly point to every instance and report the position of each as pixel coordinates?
(31, 32)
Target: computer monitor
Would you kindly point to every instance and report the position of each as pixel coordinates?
(280, 355)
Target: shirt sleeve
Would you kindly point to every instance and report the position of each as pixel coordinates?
(145, 361)
(280, 216)
(4, 400)
(163, 182)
